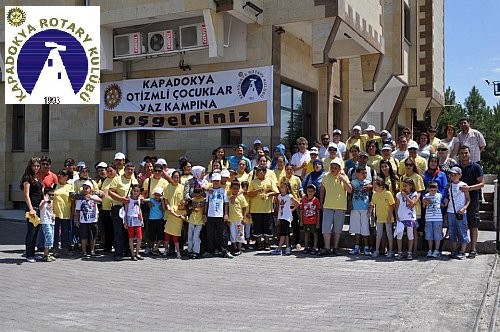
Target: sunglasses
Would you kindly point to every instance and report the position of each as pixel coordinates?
(51, 195)
(67, 165)
(302, 143)
(158, 170)
(442, 149)
(406, 132)
(409, 165)
(45, 164)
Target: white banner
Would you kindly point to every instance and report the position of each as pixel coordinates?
(232, 98)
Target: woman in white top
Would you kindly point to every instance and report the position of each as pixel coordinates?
(451, 141)
(424, 146)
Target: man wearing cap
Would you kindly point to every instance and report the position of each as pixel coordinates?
(119, 191)
(101, 171)
(370, 135)
(472, 175)
(363, 162)
(120, 163)
(412, 152)
(402, 152)
(332, 153)
(433, 140)
(473, 139)
(313, 153)
(356, 139)
(323, 150)
(333, 198)
(386, 155)
(239, 155)
(300, 158)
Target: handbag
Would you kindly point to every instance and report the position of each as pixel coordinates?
(458, 216)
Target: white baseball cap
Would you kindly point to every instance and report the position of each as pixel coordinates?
(337, 132)
(387, 147)
(102, 164)
(119, 155)
(333, 145)
(224, 173)
(88, 183)
(216, 177)
(413, 145)
(370, 128)
(356, 127)
(337, 161)
(313, 150)
(161, 161)
(158, 190)
(257, 141)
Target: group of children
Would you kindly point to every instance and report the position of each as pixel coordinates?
(223, 208)
(402, 211)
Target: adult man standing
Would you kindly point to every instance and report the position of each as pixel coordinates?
(472, 175)
(356, 139)
(47, 177)
(239, 155)
(323, 150)
(412, 152)
(402, 152)
(120, 163)
(473, 139)
(119, 190)
(301, 158)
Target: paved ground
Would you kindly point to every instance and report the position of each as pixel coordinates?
(255, 291)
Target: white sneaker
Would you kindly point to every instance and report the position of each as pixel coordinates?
(276, 251)
(147, 251)
(288, 251)
(429, 254)
(436, 254)
(375, 254)
(390, 254)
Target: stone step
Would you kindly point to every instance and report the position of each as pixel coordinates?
(487, 225)
(486, 215)
(487, 206)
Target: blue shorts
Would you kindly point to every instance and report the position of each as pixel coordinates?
(457, 228)
(48, 235)
(434, 230)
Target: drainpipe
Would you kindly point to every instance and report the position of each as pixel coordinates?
(126, 65)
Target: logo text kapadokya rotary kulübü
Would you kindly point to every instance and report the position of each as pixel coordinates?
(52, 55)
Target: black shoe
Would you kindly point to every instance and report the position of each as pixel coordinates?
(118, 258)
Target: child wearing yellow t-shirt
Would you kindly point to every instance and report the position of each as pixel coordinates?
(384, 203)
(237, 209)
(195, 223)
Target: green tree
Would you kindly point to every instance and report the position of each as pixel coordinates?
(483, 118)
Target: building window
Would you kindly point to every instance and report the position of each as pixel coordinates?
(18, 127)
(146, 139)
(296, 107)
(407, 23)
(231, 136)
(108, 141)
(45, 127)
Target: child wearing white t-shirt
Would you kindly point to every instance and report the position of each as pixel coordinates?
(406, 216)
(287, 204)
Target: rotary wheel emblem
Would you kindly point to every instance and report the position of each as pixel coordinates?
(112, 96)
(16, 16)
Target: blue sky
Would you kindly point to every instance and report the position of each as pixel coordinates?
(472, 47)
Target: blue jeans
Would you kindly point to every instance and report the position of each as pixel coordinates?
(457, 228)
(30, 240)
(63, 226)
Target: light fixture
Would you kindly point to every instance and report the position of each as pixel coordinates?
(254, 7)
(279, 30)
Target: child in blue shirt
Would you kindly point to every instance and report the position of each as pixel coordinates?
(359, 220)
(156, 221)
(433, 219)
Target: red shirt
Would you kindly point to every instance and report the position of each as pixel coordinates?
(310, 211)
(49, 179)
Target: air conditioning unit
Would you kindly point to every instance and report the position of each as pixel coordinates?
(194, 35)
(129, 44)
(161, 41)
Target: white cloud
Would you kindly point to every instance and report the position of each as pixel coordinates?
(496, 70)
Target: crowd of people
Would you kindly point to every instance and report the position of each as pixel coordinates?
(296, 199)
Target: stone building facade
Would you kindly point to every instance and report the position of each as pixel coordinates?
(336, 63)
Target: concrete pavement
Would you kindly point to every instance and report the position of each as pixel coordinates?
(255, 291)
